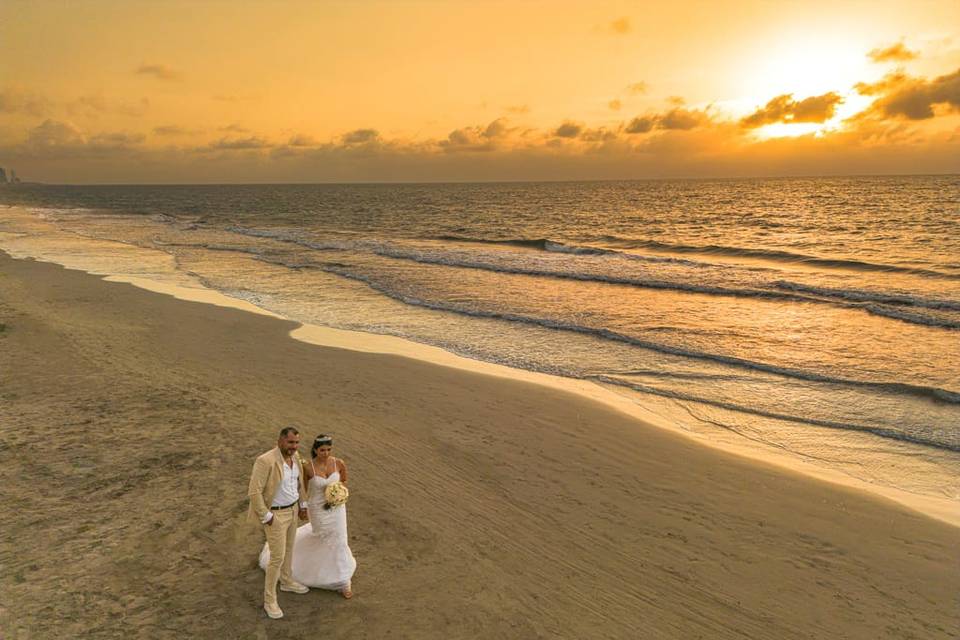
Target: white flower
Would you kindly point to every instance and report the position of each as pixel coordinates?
(335, 494)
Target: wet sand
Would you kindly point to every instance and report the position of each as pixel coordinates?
(480, 506)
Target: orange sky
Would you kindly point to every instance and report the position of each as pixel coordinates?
(147, 91)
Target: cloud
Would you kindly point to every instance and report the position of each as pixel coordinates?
(234, 128)
(568, 130)
(478, 138)
(637, 88)
(683, 119)
(63, 140)
(55, 133)
(884, 85)
(642, 125)
(117, 139)
(518, 109)
(614, 105)
(913, 98)
(816, 108)
(302, 140)
(238, 144)
(497, 129)
(620, 26)
(96, 104)
(173, 130)
(466, 139)
(676, 119)
(159, 71)
(600, 134)
(15, 100)
(361, 136)
(784, 108)
(894, 53)
(494, 151)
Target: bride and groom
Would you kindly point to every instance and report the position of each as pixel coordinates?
(283, 492)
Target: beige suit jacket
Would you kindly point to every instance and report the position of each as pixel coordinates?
(264, 480)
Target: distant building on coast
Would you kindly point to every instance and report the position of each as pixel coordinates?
(11, 179)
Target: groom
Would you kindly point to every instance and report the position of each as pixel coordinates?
(277, 499)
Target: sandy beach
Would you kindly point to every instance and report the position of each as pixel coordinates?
(480, 506)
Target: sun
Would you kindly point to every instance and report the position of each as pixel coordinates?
(805, 66)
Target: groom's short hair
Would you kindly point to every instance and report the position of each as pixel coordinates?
(287, 431)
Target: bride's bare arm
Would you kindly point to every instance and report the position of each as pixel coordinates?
(342, 468)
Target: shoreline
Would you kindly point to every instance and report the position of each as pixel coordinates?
(942, 509)
(480, 505)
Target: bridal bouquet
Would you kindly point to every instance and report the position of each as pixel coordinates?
(335, 494)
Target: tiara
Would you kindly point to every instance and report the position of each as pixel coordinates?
(326, 440)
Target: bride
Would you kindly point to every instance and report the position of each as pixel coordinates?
(321, 553)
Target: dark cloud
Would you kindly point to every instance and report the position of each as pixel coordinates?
(600, 134)
(677, 119)
(914, 98)
(784, 108)
(94, 105)
(518, 109)
(620, 26)
(642, 125)
(117, 139)
(683, 119)
(13, 100)
(479, 138)
(361, 136)
(720, 148)
(302, 140)
(55, 133)
(894, 53)
(159, 71)
(497, 129)
(466, 139)
(173, 130)
(568, 130)
(239, 144)
(57, 139)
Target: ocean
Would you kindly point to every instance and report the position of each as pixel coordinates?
(816, 316)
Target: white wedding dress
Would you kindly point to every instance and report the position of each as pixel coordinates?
(321, 555)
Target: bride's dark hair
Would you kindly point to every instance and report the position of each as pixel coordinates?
(318, 442)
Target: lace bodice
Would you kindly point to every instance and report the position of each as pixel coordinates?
(317, 484)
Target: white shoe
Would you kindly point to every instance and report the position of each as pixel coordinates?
(294, 587)
(273, 611)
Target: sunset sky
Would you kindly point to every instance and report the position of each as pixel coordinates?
(437, 90)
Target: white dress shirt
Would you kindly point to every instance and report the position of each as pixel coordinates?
(288, 491)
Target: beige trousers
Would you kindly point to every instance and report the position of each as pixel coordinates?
(280, 535)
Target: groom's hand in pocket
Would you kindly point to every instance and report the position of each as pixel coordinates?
(303, 514)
